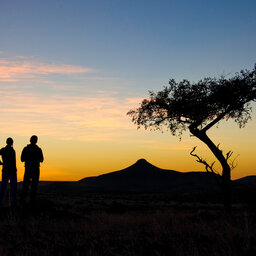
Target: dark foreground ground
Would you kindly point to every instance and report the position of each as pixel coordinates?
(112, 224)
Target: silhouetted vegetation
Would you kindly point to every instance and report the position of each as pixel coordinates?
(128, 225)
(197, 107)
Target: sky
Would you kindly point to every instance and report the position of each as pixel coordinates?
(71, 70)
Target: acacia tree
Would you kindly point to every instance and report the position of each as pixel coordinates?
(198, 107)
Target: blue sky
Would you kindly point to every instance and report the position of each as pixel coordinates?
(144, 40)
(72, 69)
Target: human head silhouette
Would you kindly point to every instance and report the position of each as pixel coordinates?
(9, 141)
(33, 139)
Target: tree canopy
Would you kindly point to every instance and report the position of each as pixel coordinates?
(200, 105)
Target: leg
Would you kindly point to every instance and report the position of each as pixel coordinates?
(5, 179)
(26, 183)
(13, 181)
(35, 179)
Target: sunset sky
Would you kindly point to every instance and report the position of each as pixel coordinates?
(70, 71)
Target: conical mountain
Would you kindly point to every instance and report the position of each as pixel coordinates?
(143, 168)
(145, 177)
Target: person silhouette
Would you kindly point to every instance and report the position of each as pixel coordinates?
(32, 155)
(9, 171)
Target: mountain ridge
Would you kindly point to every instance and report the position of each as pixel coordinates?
(143, 177)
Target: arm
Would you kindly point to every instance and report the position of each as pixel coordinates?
(41, 158)
(23, 155)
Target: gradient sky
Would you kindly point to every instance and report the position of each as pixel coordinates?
(70, 71)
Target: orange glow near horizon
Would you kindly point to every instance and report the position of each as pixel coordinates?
(86, 140)
(68, 160)
(86, 132)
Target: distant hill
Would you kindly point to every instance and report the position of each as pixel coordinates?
(143, 177)
(246, 181)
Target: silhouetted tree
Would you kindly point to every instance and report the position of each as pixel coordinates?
(197, 107)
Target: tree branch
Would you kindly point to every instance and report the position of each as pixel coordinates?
(208, 168)
(215, 121)
(231, 162)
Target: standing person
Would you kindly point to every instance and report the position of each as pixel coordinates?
(32, 155)
(9, 171)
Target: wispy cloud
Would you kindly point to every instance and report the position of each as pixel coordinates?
(66, 117)
(69, 109)
(13, 70)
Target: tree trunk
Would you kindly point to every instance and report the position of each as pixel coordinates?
(223, 161)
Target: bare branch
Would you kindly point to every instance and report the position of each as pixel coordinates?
(232, 163)
(229, 154)
(208, 168)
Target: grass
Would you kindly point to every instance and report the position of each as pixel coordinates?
(127, 225)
